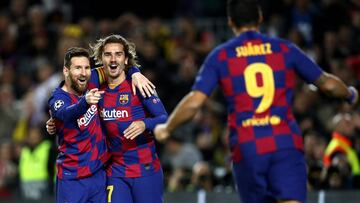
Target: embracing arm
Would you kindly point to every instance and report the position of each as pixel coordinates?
(141, 82)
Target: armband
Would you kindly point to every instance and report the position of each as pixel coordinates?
(354, 95)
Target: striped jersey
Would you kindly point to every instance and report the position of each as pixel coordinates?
(81, 143)
(256, 73)
(118, 109)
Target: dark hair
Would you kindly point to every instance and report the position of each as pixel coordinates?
(244, 12)
(129, 48)
(74, 52)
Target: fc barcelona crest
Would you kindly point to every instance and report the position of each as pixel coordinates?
(124, 99)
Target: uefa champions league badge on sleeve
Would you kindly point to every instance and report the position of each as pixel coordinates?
(58, 104)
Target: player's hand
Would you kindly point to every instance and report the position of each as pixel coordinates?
(354, 98)
(50, 126)
(143, 84)
(135, 129)
(161, 132)
(93, 96)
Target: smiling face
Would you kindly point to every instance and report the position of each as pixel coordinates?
(114, 60)
(78, 74)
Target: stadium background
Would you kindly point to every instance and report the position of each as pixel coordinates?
(172, 39)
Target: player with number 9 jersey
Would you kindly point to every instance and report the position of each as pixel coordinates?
(257, 76)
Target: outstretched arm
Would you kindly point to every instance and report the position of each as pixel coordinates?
(333, 86)
(184, 111)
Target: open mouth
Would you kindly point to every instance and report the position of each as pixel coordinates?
(113, 66)
(82, 81)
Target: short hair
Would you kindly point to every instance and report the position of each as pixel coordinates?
(129, 49)
(74, 52)
(244, 12)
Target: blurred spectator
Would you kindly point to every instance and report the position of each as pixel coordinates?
(8, 171)
(340, 152)
(335, 179)
(181, 157)
(8, 112)
(35, 157)
(314, 149)
(202, 177)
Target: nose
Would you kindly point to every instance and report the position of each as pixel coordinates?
(112, 58)
(83, 71)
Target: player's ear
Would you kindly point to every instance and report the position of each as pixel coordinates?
(126, 61)
(66, 71)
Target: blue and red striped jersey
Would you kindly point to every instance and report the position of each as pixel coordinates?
(257, 76)
(81, 142)
(118, 109)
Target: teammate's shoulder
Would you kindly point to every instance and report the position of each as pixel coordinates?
(98, 69)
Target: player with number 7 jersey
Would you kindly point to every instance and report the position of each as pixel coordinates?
(81, 142)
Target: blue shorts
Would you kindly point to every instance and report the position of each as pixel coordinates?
(270, 177)
(89, 189)
(148, 189)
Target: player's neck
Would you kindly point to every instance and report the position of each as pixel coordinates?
(114, 82)
(240, 30)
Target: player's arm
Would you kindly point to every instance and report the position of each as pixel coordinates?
(62, 109)
(184, 111)
(326, 82)
(333, 86)
(158, 115)
(139, 81)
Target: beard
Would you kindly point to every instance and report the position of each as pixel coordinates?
(78, 88)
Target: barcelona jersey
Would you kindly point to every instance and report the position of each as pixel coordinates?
(81, 143)
(118, 109)
(257, 76)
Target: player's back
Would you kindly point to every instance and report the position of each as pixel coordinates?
(257, 76)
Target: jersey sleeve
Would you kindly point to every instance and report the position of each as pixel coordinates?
(132, 70)
(307, 69)
(62, 109)
(97, 78)
(207, 78)
(156, 109)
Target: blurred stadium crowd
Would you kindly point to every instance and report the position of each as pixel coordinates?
(35, 34)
